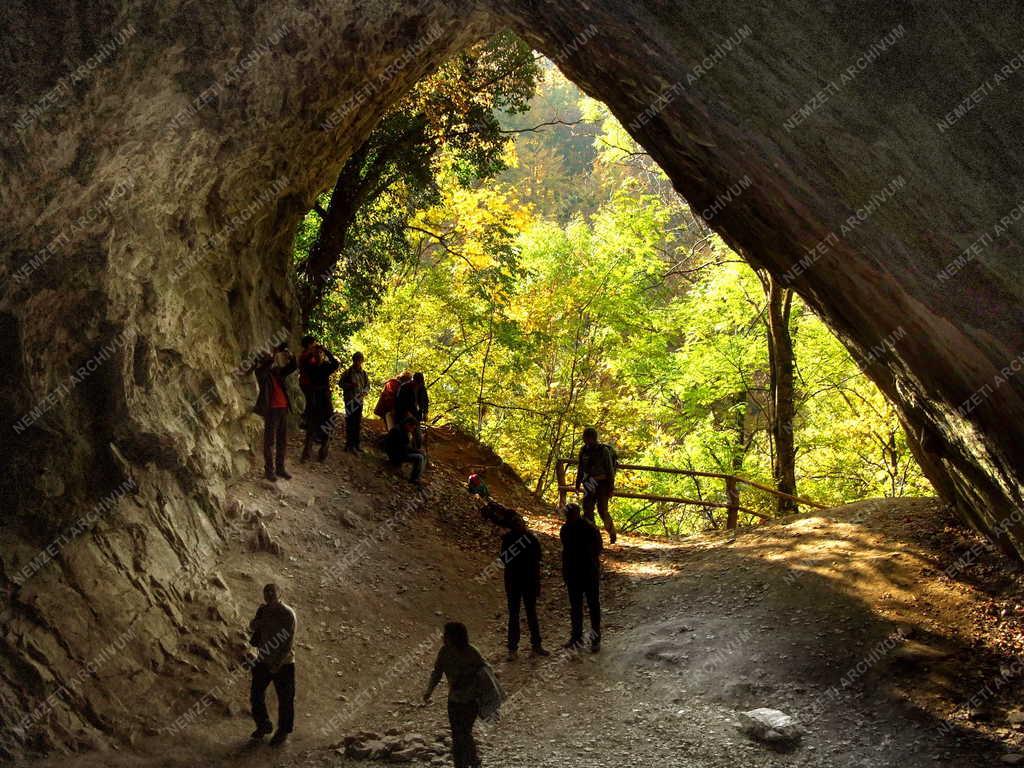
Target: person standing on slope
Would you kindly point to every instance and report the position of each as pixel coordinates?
(413, 402)
(521, 556)
(581, 569)
(316, 364)
(595, 474)
(272, 633)
(355, 386)
(461, 664)
(388, 399)
(273, 404)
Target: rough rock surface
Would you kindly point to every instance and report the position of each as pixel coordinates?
(156, 158)
(395, 746)
(772, 726)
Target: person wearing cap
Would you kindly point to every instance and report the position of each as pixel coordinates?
(581, 569)
(477, 487)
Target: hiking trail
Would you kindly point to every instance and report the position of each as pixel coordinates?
(842, 619)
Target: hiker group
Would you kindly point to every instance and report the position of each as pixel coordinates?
(471, 686)
(403, 406)
(520, 553)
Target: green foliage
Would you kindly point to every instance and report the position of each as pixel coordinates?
(447, 125)
(576, 288)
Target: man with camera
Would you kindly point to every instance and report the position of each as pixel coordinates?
(273, 405)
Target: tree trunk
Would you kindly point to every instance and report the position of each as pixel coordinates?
(324, 254)
(483, 377)
(363, 178)
(782, 405)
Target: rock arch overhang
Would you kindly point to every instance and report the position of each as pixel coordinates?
(156, 158)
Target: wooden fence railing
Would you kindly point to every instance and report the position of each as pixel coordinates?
(732, 504)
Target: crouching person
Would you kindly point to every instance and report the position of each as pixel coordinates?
(273, 635)
(398, 445)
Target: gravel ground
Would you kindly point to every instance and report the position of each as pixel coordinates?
(841, 621)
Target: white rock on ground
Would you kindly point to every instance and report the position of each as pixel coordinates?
(772, 726)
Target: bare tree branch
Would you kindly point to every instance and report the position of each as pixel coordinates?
(537, 128)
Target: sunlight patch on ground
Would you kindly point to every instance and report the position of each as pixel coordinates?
(648, 570)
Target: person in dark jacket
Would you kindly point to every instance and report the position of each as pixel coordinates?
(316, 365)
(272, 633)
(460, 663)
(422, 396)
(521, 556)
(398, 445)
(595, 474)
(355, 386)
(272, 404)
(414, 401)
(408, 400)
(309, 350)
(581, 569)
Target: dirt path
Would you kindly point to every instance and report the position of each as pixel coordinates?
(843, 622)
(699, 632)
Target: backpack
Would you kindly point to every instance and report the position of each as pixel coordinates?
(388, 396)
(612, 454)
(489, 694)
(613, 458)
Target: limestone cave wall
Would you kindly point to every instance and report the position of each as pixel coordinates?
(157, 156)
(871, 155)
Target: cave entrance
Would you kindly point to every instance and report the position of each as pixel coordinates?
(502, 232)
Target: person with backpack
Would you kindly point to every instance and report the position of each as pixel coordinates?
(472, 691)
(581, 569)
(386, 403)
(595, 474)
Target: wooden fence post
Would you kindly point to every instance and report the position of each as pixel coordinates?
(732, 495)
(560, 477)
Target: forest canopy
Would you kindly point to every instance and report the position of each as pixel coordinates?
(554, 279)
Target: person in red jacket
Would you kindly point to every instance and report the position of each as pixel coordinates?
(272, 404)
(388, 400)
